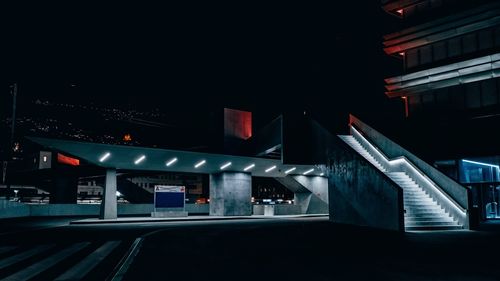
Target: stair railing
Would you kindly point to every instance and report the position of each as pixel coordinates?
(403, 164)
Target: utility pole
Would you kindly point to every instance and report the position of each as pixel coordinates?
(11, 141)
(14, 106)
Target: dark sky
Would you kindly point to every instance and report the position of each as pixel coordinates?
(325, 58)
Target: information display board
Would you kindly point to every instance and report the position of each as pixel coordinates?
(169, 196)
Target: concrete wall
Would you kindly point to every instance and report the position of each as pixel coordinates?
(317, 200)
(9, 209)
(230, 194)
(360, 194)
(277, 210)
(14, 209)
(64, 186)
(310, 192)
(64, 210)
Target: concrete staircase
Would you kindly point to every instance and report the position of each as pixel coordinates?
(421, 211)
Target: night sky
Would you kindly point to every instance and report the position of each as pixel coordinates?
(326, 59)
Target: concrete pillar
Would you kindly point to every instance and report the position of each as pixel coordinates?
(230, 194)
(108, 204)
(64, 186)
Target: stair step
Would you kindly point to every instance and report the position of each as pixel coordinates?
(433, 223)
(428, 218)
(398, 179)
(424, 211)
(437, 227)
(423, 207)
(423, 204)
(406, 183)
(415, 194)
(410, 187)
(420, 210)
(403, 180)
(416, 191)
(416, 198)
(419, 203)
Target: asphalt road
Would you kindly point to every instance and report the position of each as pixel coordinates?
(261, 249)
(314, 249)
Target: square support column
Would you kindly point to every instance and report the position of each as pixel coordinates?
(108, 204)
(230, 194)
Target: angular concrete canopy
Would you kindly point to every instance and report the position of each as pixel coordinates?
(123, 157)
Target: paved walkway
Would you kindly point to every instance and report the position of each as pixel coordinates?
(189, 218)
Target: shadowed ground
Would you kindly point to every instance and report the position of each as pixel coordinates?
(315, 249)
(259, 249)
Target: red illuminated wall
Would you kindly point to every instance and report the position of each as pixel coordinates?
(67, 160)
(237, 124)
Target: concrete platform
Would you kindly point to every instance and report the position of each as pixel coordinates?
(191, 218)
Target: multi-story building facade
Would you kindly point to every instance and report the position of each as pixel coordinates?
(450, 88)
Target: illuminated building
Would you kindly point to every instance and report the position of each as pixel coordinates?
(450, 88)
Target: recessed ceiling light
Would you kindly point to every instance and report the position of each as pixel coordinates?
(308, 171)
(225, 165)
(249, 167)
(172, 161)
(270, 169)
(199, 164)
(104, 157)
(140, 159)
